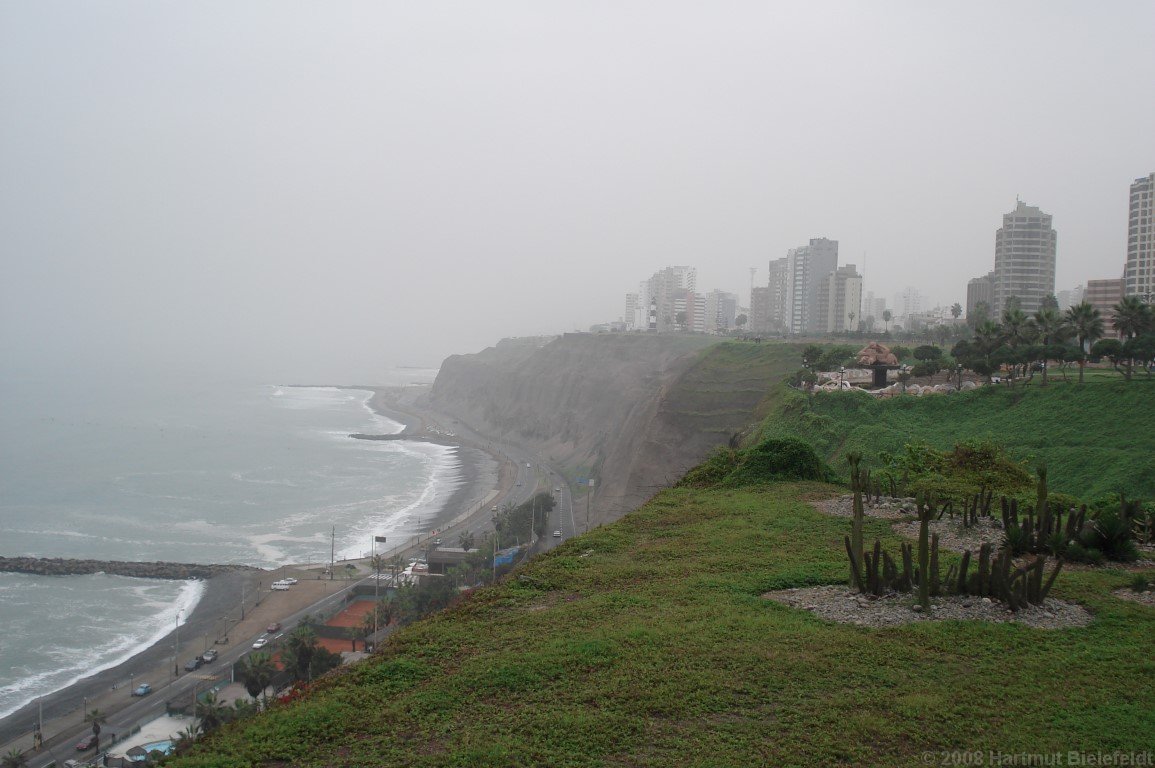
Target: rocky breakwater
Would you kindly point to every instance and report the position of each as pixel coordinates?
(42, 566)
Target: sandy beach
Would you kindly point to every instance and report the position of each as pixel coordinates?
(218, 614)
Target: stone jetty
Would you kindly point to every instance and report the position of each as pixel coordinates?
(43, 566)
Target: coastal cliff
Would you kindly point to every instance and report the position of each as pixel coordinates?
(634, 411)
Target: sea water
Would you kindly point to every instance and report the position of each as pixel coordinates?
(188, 472)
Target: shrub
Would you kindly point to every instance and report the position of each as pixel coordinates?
(716, 468)
(779, 459)
(1140, 583)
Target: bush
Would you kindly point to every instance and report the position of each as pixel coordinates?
(716, 468)
(779, 459)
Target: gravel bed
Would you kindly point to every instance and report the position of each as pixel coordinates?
(887, 509)
(1146, 598)
(953, 536)
(841, 604)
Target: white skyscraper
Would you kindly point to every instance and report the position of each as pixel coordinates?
(1139, 273)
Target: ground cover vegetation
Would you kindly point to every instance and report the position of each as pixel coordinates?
(647, 642)
(1097, 439)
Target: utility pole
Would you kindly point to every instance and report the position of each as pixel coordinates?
(376, 582)
(332, 551)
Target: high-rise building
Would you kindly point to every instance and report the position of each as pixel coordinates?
(759, 310)
(1103, 295)
(776, 296)
(667, 287)
(1139, 273)
(872, 309)
(1025, 248)
(1070, 298)
(721, 310)
(633, 317)
(981, 290)
(843, 299)
(908, 302)
(806, 271)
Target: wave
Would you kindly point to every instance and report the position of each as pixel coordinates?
(75, 667)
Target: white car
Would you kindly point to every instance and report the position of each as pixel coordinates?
(557, 534)
(290, 581)
(280, 586)
(527, 465)
(261, 643)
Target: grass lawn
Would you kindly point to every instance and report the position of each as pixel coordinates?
(646, 643)
(1095, 438)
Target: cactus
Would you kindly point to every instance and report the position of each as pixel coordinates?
(855, 566)
(924, 514)
(961, 584)
(856, 484)
(934, 582)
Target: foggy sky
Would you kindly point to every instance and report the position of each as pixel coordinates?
(318, 191)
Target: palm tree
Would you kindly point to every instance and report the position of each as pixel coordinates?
(14, 758)
(257, 671)
(184, 739)
(987, 335)
(887, 316)
(96, 717)
(298, 652)
(1051, 328)
(211, 712)
(1087, 324)
(956, 310)
(1132, 317)
(466, 540)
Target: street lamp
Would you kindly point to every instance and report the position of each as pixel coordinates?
(376, 582)
(841, 377)
(176, 646)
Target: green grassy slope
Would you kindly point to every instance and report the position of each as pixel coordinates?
(1095, 439)
(646, 642)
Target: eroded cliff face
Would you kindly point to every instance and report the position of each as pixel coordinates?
(634, 411)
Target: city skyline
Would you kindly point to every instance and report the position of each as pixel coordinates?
(257, 188)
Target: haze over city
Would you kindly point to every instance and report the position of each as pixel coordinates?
(302, 192)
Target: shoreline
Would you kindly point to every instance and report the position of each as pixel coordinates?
(221, 601)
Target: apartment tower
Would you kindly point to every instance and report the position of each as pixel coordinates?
(1025, 249)
(1138, 279)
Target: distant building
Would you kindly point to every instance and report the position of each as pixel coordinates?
(806, 271)
(908, 302)
(1103, 295)
(721, 311)
(666, 295)
(1025, 248)
(776, 296)
(872, 309)
(1139, 273)
(981, 290)
(635, 315)
(843, 299)
(1068, 299)
(759, 320)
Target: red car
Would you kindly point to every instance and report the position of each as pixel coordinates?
(88, 742)
(276, 625)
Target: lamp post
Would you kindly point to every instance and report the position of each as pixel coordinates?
(176, 646)
(841, 377)
(376, 581)
(958, 371)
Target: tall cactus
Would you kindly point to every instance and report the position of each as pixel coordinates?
(856, 525)
(924, 514)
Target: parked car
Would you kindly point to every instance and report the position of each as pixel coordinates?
(193, 664)
(557, 534)
(88, 742)
(143, 689)
(437, 542)
(280, 586)
(261, 643)
(289, 580)
(274, 627)
(209, 656)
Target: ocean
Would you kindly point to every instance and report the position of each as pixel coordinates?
(189, 472)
